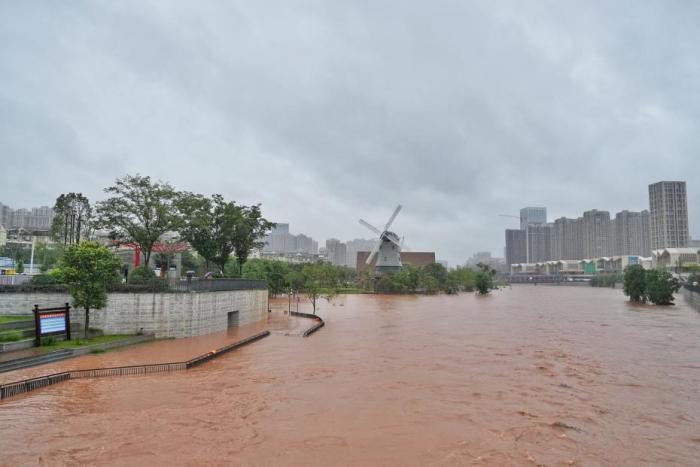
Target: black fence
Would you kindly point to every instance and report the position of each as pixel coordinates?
(216, 285)
(20, 387)
(154, 286)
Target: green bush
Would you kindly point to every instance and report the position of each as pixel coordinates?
(635, 283)
(11, 336)
(44, 279)
(656, 286)
(50, 340)
(483, 281)
(660, 287)
(142, 275)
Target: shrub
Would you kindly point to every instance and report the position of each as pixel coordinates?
(660, 287)
(635, 283)
(483, 280)
(44, 279)
(141, 276)
(50, 340)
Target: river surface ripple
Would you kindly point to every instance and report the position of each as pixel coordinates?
(528, 375)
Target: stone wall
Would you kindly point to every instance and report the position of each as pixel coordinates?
(22, 303)
(163, 314)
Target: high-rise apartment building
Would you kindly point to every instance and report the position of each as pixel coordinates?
(280, 241)
(567, 239)
(336, 252)
(597, 234)
(539, 242)
(31, 220)
(668, 217)
(532, 215)
(631, 233)
(516, 251)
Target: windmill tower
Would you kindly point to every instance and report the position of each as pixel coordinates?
(388, 247)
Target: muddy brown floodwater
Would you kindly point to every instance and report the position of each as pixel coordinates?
(528, 375)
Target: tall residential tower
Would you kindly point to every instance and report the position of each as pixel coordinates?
(668, 217)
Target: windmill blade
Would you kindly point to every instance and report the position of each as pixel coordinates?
(374, 252)
(393, 216)
(370, 227)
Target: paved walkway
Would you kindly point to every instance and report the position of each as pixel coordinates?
(163, 351)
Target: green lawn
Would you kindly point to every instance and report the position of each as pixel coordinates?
(78, 342)
(12, 319)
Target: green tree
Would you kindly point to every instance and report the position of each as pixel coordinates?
(20, 266)
(438, 272)
(72, 221)
(192, 262)
(429, 284)
(248, 233)
(271, 271)
(660, 286)
(316, 281)
(139, 211)
(483, 280)
(408, 279)
(47, 257)
(635, 283)
(463, 278)
(88, 268)
(209, 225)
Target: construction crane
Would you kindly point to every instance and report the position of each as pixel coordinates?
(527, 243)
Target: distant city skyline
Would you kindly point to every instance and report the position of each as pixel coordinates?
(596, 234)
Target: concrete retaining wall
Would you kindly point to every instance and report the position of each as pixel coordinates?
(22, 303)
(162, 314)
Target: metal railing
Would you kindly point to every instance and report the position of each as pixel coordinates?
(20, 387)
(217, 285)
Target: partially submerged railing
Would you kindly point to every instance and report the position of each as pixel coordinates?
(319, 322)
(20, 387)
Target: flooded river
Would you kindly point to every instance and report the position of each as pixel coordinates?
(526, 376)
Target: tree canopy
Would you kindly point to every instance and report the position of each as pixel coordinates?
(73, 220)
(88, 268)
(139, 211)
(208, 224)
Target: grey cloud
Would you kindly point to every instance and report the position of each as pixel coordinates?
(327, 111)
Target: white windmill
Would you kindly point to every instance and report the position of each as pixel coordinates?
(388, 247)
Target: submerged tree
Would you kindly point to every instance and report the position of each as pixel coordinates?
(635, 283)
(660, 286)
(483, 280)
(88, 268)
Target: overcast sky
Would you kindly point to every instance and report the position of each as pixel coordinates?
(327, 111)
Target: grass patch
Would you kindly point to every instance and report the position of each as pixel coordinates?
(77, 343)
(14, 319)
(11, 336)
